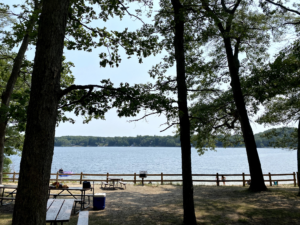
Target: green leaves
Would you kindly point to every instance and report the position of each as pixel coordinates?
(83, 36)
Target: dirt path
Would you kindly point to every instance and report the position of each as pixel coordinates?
(162, 204)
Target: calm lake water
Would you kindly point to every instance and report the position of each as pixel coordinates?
(129, 160)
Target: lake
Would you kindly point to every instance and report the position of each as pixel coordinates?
(129, 160)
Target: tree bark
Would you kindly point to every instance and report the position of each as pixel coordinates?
(32, 195)
(257, 179)
(188, 190)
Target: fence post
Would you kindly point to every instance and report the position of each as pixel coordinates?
(134, 179)
(57, 176)
(218, 179)
(294, 175)
(14, 176)
(270, 179)
(81, 178)
(107, 175)
(161, 179)
(243, 179)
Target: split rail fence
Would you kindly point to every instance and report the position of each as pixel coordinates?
(215, 178)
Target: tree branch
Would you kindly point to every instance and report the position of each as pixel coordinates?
(82, 87)
(144, 117)
(81, 99)
(292, 23)
(232, 11)
(212, 90)
(125, 8)
(213, 16)
(169, 127)
(283, 7)
(236, 47)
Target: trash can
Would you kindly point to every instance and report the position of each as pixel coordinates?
(99, 200)
(275, 182)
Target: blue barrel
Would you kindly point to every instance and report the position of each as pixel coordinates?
(99, 200)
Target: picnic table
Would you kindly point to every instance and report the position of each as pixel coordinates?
(59, 210)
(113, 179)
(81, 200)
(8, 195)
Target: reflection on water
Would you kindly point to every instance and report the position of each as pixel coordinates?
(129, 160)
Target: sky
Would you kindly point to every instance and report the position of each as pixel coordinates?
(88, 71)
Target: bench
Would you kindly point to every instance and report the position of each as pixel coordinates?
(6, 198)
(76, 201)
(79, 201)
(66, 195)
(123, 183)
(105, 184)
(83, 218)
(10, 192)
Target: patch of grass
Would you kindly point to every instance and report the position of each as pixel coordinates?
(272, 213)
(5, 219)
(284, 192)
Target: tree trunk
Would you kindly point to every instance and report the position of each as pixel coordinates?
(188, 191)
(298, 157)
(5, 98)
(257, 179)
(32, 195)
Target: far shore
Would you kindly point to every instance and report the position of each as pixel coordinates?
(75, 146)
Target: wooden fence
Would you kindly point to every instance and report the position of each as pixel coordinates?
(215, 178)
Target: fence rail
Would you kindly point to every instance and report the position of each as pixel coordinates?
(217, 180)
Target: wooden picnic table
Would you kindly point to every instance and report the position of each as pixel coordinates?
(113, 179)
(59, 210)
(69, 190)
(8, 195)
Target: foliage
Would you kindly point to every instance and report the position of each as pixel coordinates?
(281, 94)
(15, 113)
(143, 141)
(264, 139)
(93, 101)
(285, 137)
(213, 112)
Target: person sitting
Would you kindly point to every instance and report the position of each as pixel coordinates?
(249, 181)
(60, 171)
(223, 179)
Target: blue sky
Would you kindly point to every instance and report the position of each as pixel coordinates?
(88, 71)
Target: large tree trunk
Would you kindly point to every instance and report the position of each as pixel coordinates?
(257, 179)
(5, 98)
(188, 190)
(32, 195)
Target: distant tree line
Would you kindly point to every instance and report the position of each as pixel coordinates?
(263, 139)
(167, 141)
